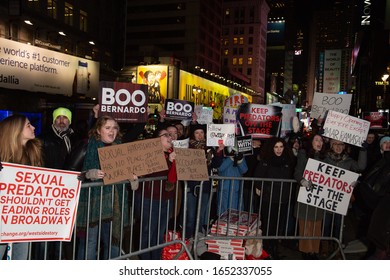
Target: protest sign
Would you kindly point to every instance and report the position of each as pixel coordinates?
(220, 132)
(121, 161)
(346, 128)
(332, 187)
(244, 145)
(125, 102)
(229, 115)
(378, 120)
(178, 109)
(185, 143)
(37, 204)
(204, 114)
(235, 100)
(288, 114)
(191, 165)
(323, 102)
(260, 121)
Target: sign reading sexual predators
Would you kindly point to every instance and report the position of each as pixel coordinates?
(37, 204)
(331, 187)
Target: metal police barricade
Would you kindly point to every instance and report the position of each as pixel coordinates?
(262, 210)
(139, 229)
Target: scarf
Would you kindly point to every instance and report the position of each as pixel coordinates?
(65, 136)
(337, 157)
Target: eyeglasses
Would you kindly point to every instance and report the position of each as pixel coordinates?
(165, 135)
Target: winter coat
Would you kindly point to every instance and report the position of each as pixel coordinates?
(227, 169)
(158, 188)
(346, 162)
(55, 151)
(111, 208)
(275, 168)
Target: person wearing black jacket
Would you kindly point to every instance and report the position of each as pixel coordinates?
(372, 195)
(277, 162)
(58, 143)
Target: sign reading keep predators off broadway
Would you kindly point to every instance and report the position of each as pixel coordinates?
(30, 68)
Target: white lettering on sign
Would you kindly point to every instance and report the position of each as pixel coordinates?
(109, 96)
(178, 107)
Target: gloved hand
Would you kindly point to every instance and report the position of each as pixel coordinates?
(94, 174)
(306, 184)
(364, 145)
(81, 176)
(238, 158)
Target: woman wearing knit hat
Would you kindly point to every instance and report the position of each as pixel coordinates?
(337, 155)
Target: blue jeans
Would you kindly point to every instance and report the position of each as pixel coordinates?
(191, 211)
(19, 250)
(153, 221)
(93, 233)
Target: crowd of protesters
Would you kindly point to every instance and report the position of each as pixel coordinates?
(272, 158)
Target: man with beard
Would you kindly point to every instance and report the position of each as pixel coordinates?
(58, 141)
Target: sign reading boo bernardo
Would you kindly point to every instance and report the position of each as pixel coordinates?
(332, 187)
(37, 204)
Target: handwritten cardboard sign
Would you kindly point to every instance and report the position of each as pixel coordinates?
(37, 204)
(346, 128)
(191, 165)
(120, 162)
(332, 187)
(323, 102)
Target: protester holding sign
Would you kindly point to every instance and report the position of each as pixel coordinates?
(103, 204)
(338, 156)
(309, 217)
(230, 191)
(19, 145)
(154, 200)
(214, 158)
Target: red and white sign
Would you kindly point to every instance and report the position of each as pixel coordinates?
(332, 187)
(37, 204)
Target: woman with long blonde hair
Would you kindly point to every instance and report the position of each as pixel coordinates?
(19, 145)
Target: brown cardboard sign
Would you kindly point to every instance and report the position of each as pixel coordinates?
(121, 161)
(191, 165)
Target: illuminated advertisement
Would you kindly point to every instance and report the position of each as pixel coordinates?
(205, 92)
(26, 67)
(275, 33)
(155, 77)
